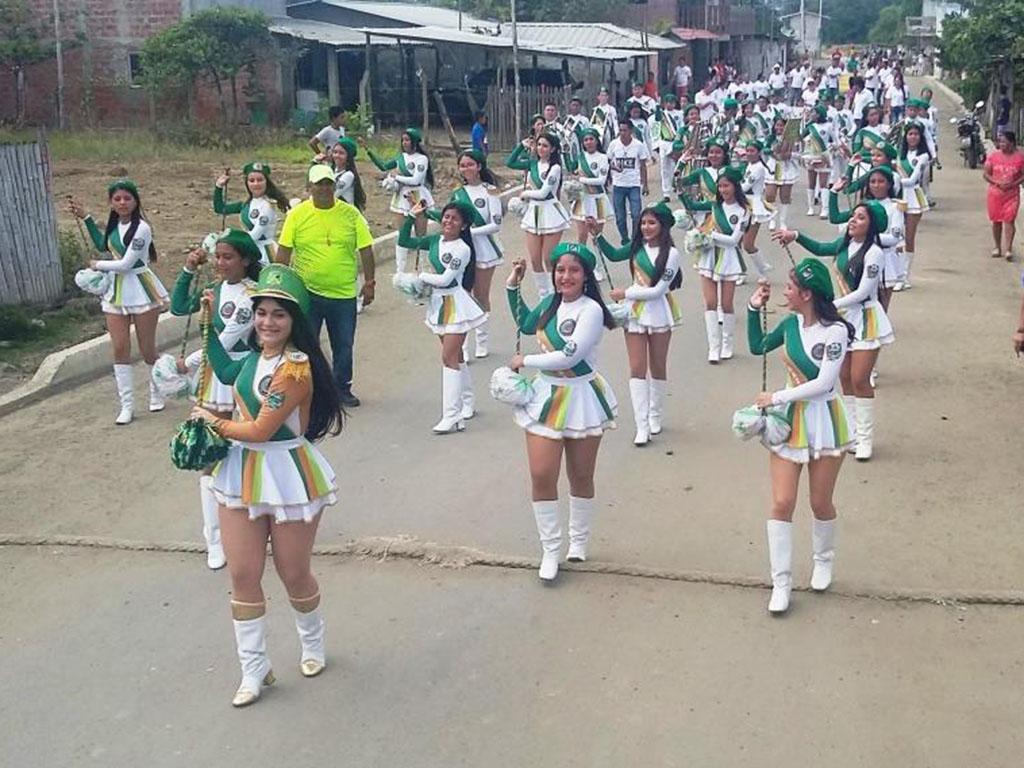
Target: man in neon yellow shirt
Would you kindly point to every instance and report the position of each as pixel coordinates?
(320, 239)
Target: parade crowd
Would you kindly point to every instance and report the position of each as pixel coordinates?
(695, 181)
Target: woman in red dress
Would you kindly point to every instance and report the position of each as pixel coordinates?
(1004, 172)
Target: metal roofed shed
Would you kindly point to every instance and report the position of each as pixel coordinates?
(592, 35)
(321, 32)
(358, 13)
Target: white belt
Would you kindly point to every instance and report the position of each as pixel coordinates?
(274, 445)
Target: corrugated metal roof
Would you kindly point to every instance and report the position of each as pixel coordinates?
(414, 13)
(321, 32)
(526, 45)
(590, 35)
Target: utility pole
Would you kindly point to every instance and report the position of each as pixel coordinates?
(460, 15)
(515, 72)
(803, 25)
(60, 64)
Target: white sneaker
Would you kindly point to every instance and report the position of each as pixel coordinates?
(810, 211)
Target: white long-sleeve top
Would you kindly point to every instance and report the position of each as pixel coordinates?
(345, 187)
(137, 249)
(454, 255)
(416, 163)
(581, 324)
(490, 211)
(551, 176)
(832, 340)
(638, 292)
(867, 289)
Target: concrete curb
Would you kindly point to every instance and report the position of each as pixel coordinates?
(89, 360)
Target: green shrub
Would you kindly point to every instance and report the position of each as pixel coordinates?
(73, 257)
(972, 89)
(15, 324)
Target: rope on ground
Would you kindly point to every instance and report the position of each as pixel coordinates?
(383, 548)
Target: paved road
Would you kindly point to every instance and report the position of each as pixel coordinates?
(434, 666)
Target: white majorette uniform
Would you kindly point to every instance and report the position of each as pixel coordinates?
(570, 399)
(592, 171)
(720, 259)
(780, 172)
(134, 290)
(857, 301)
(895, 268)
(819, 423)
(281, 475)
(232, 322)
(755, 176)
(545, 214)
(706, 181)
(605, 120)
(485, 200)
(652, 308)
(912, 170)
(345, 186)
(411, 178)
(451, 308)
(258, 216)
(819, 140)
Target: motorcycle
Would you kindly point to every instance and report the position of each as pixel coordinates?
(968, 128)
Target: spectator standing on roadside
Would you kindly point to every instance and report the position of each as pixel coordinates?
(797, 76)
(328, 136)
(1003, 107)
(1004, 172)
(321, 239)
(479, 134)
(681, 78)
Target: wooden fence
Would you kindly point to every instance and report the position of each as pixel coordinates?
(501, 109)
(30, 269)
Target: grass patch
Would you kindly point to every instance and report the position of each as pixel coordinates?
(40, 331)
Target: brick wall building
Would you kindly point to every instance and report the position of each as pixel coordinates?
(102, 40)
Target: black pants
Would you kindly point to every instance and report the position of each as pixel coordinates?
(340, 316)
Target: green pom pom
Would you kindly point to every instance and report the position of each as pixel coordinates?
(196, 445)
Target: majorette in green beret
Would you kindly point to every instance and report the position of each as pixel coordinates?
(813, 275)
(257, 167)
(283, 283)
(242, 242)
(578, 250)
(126, 184)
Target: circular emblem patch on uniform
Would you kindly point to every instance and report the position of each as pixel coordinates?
(497, 219)
(733, 219)
(567, 326)
(872, 270)
(264, 220)
(227, 309)
(593, 166)
(420, 167)
(479, 202)
(668, 275)
(818, 351)
(254, 214)
(569, 349)
(834, 351)
(243, 315)
(446, 258)
(264, 386)
(138, 245)
(456, 263)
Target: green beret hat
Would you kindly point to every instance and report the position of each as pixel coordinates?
(662, 212)
(467, 211)
(415, 134)
(885, 170)
(813, 275)
(878, 215)
(351, 149)
(283, 283)
(888, 149)
(591, 132)
(733, 174)
(753, 143)
(125, 184)
(820, 111)
(475, 154)
(730, 104)
(716, 141)
(913, 125)
(678, 145)
(242, 242)
(535, 118)
(578, 250)
(917, 103)
(257, 167)
(670, 96)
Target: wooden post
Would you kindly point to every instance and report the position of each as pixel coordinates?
(425, 102)
(443, 111)
(365, 96)
(333, 87)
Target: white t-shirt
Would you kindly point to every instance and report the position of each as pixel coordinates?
(886, 76)
(683, 75)
(796, 78)
(810, 97)
(329, 135)
(777, 80)
(860, 101)
(707, 103)
(625, 161)
(871, 78)
(832, 77)
(896, 96)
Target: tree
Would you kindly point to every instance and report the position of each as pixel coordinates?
(218, 46)
(891, 25)
(23, 41)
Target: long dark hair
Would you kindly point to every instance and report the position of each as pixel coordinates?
(828, 314)
(469, 275)
(113, 220)
(555, 158)
(665, 244)
(326, 415)
(741, 197)
(922, 143)
(273, 193)
(590, 290)
(358, 194)
(417, 146)
(486, 174)
(855, 266)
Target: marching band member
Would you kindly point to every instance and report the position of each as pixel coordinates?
(913, 165)
(480, 195)
(604, 119)
(135, 296)
(410, 174)
(782, 171)
(274, 483)
(857, 271)
(257, 214)
(720, 264)
(819, 138)
(706, 178)
(666, 123)
(592, 209)
(653, 313)
(451, 312)
(545, 218)
(347, 184)
(571, 404)
(639, 118)
(238, 259)
(755, 174)
(814, 339)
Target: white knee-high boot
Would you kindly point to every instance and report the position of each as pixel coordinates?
(728, 334)
(467, 398)
(215, 558)
(125, 393)
(451, 402)
(850, 405)
(780, 558)
(639, 393)
(823, 543)
(865, 427)
(761, 264)
(810, 201)
(549, 529)
(783, 215)
(581, 512)
(401, 258)
(658, 387)
(482, 336)
(904, 284)
(156, 400)
(251, 642)
(714, 335)
(310, 626)
(543, 283)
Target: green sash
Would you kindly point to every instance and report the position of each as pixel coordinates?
(402, 167)
(245, 387)
(551, 336)
(721, 219)
(118, 248)
(460, 195)
(796, 354)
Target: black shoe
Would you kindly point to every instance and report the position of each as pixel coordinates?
(349, 400)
